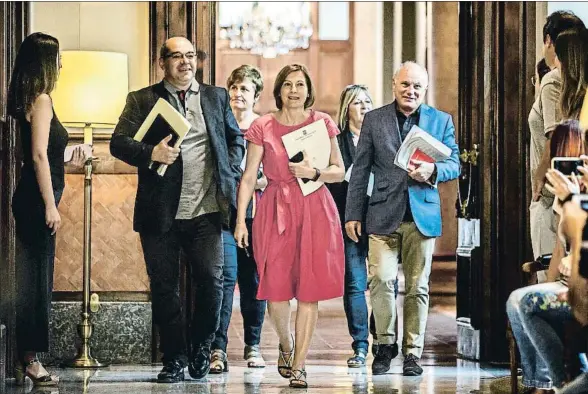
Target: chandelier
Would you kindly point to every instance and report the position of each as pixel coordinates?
(268, 29)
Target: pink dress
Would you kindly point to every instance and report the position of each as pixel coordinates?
(297, 240)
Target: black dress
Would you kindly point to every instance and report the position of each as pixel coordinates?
(35, 252)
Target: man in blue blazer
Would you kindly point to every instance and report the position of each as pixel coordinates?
(403, 214)
(184, 209)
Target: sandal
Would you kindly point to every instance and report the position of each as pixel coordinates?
(358, 359)
(218, 362)
(298, 379)
(285, 370)
(252, 355)
(36, 372)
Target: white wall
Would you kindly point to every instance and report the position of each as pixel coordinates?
(579, 8)
(99, 26)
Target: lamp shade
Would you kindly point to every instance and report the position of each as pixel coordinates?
(92, 87)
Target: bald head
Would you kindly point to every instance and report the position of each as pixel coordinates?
(414, 68)
(178, 61)
(410, 86)
(171, 42)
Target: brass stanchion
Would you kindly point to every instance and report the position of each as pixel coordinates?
(84, 357)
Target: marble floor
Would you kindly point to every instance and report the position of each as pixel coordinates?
(326, 365)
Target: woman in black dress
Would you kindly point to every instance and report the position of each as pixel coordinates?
(35, 200)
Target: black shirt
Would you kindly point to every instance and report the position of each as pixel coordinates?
(58, 138)
(405, 123)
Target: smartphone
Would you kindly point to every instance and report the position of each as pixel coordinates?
(297, 158)
(567, 165)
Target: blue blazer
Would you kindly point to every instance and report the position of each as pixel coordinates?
(378, 143)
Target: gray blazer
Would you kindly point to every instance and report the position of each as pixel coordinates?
(378, 143)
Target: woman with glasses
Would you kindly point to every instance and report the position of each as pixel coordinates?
(35, 200)
(245, 85)
(543, 117)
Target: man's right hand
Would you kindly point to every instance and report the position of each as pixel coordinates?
(163, 153)
(353, 230)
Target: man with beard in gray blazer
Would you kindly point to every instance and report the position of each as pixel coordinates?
(184, 209)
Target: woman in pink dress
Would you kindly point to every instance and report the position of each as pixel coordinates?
(297, 239)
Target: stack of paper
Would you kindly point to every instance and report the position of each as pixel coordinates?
(420, 146)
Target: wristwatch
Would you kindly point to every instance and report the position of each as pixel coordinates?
(317, 176)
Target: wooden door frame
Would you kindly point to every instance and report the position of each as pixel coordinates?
(194, 20)
(497, 60)
(13, 28)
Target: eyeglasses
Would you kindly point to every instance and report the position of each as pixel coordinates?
(179, 55)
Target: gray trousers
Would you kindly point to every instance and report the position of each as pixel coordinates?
(415, 251)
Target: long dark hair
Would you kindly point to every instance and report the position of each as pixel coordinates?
(35, 72)
(571, 48)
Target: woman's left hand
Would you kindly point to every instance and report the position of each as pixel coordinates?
(560, 185)
(303, 169)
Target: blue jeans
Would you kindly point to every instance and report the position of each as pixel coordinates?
(354, 301)
(242, 269)
(536, 317)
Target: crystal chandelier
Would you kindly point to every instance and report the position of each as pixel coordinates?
(268, 29)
